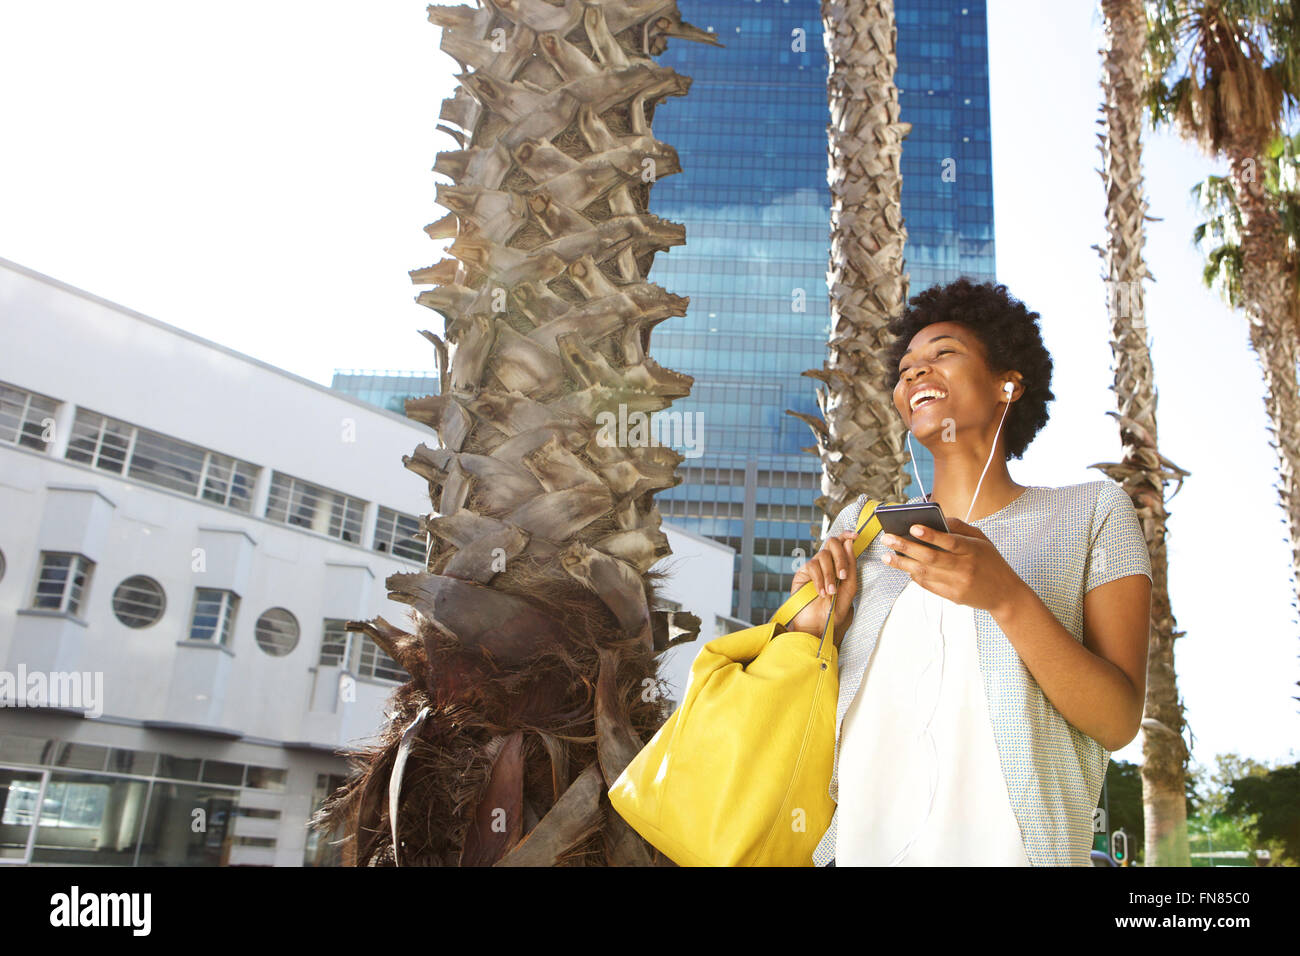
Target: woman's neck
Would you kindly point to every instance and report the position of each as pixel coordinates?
(956, 474)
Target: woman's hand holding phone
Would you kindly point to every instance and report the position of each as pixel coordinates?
(834, 570)
(963, 566)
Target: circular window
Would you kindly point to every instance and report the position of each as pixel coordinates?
(139, 601)
(277, 632)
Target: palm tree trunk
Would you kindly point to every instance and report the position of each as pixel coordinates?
(860, 441)
(533, 661)
(1143, 471)
(1267, 295)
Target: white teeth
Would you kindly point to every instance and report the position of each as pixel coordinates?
(924, 394)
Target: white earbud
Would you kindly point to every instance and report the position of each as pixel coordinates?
(1009, 387)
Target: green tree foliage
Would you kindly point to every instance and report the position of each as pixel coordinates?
(1273, 800)
(1221, 826)
(1219, 236)
(1214, 785)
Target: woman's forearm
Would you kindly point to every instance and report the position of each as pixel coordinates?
(1091, 693)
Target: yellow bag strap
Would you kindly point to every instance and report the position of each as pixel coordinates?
(868, 528)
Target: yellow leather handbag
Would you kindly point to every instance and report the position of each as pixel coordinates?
(739, 774)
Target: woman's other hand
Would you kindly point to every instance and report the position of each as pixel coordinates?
(833, 570)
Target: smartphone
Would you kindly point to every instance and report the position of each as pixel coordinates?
(896, 519)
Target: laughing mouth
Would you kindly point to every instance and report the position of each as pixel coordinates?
(925, 396)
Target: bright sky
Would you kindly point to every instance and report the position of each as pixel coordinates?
(260, 173)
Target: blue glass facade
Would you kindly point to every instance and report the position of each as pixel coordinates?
(751, 135)
(386, 389)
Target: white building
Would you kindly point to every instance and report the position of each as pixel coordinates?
(183, 532)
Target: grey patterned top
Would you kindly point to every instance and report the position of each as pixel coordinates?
(1063, 542)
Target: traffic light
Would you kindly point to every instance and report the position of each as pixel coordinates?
(1119, 847)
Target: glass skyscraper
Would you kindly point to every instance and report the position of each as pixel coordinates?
(388, 388)
(751, 135)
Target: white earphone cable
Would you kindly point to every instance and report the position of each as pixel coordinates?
(911, 454)
(1005, 409)
(943, 644)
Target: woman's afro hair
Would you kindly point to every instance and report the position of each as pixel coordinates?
(1010, 336)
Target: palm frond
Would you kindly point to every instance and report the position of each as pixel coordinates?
(1221, 72)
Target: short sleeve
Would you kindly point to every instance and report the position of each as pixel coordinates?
(847, 519)
(1117, 548)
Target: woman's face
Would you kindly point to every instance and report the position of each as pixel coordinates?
(945, 385)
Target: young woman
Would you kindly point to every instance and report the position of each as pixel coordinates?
(983, 682)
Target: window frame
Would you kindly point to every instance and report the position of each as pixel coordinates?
(23, 420)
(137, 472)
(225, 620)
(81, 562)
(386, 541)
(287, 495)
(162, 602)
(359, 656)
(258, 632)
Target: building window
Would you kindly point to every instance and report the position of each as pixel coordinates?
(300, 503)
(89, 819)
(357, 654)
(170, 837)
(214, 615)
(99, 442)
(63, 580)
(375, 663)
(139, 601)
(333, 646)
(25, 417)
(257, 813)
(323, 848)
(81, 756)
(399, 534)
(142, 455)
(387, 389)
(19, 796)
(140, 763)
(255, 841)
(223, 772)
(229, 482)
(267, 778)
(277, 632)
(178, 768)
